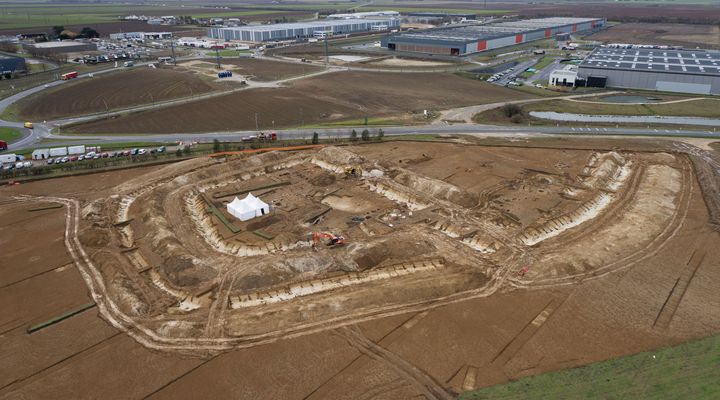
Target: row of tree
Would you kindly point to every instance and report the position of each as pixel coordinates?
(59, 32)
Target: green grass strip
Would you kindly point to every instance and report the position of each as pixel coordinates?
(688, 371)
(264, 234)
(59, 318)
(220, 215)
(252, 189)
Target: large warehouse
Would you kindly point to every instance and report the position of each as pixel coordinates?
(469, 39)
(685, 71)
(301, 30)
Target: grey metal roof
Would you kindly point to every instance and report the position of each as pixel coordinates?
(303, 25)
(473, 33)
(703, 62)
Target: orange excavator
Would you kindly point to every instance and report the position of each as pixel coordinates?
(331, 239)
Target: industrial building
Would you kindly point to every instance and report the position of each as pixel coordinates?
(302, 30)
(10, 64)
(470, 39)
(667, 70)
(366, 15)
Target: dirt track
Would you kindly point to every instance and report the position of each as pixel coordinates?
(332, 97)
(521, 329)
(268, 70)
(140, 85)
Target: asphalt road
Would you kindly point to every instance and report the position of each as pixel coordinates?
(44, 130)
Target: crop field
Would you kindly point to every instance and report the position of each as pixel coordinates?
(321, 99)
(465, 266)
(18, 16)
(112, 91)
(704, 36)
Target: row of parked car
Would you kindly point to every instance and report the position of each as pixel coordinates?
(17, 165)
(95, 156)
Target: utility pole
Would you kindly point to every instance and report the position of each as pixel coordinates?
(172, 48)
(217, 56)
(327, 57)
(256, 123)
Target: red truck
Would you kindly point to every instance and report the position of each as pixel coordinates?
(3, 145)
(69, 75)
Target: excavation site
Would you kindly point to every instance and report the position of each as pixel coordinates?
(489, 255)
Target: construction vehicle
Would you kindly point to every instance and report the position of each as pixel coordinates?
(353, 171)
(330, 239)
(28, 125)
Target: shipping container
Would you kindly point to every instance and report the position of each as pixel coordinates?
(58, 151)
(76, 149)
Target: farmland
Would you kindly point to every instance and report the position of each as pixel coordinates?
(704, 36)
(112, 91)
(321, 99)
(469, 308)
(18, 16)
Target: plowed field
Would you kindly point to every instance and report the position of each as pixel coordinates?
(113, 91)
(326, 98)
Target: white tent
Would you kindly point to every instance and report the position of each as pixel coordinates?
(247, 208)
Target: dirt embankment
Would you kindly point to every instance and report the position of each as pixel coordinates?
(140, 85)
(331, 97)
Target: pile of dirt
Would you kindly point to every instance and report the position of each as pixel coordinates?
(437, 188)
(184, 273)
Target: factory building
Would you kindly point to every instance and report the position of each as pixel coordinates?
(10, 64)
(666, 70)
(302, 30)
(366, 15)
(469, 39)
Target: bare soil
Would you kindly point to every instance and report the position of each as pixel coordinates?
(268, 70)
(112, 91)
(331, 97)
(581, 296)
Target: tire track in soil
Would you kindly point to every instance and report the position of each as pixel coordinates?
(672, 302)
(215, 316)
(527, 332)
(418, 379)
(17, 381)
(389, 338)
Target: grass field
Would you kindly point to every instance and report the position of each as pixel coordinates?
(28, 15)
(687, 371)
(697, 108)
(9, 134)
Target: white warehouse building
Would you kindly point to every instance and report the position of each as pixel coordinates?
(301, 30)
